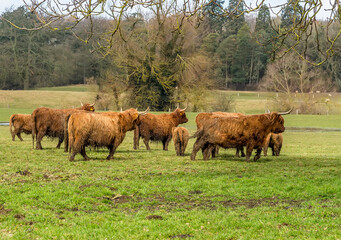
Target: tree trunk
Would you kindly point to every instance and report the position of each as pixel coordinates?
(28, 62)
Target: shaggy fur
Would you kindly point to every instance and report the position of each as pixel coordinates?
(202, 119)
(50, 122)
(274, 141)
(100, 130)
(249, 131)
(158, 127)
(180, 139)
(20, 123)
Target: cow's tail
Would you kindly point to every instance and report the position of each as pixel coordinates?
(66, 135)
(70, 134)
(11, 122)
(198, 133)
(34, 127)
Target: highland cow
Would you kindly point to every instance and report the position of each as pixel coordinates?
(19, 123)
(249, 131)
(50, 122)
(158, 127)
(180, 139)
(201, 120)
(274, 141)
(100, 130)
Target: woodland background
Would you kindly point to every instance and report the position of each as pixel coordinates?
(154, 62)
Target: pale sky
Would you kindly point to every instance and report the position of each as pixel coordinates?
(323, 14)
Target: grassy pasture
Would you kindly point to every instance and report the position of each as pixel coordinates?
(157, 195)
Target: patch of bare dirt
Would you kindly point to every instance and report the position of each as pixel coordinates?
(182, 236)
(24, 173)
(150, 217)
(4, 211)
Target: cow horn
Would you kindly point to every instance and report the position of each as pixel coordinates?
(267, 111)
(145, 112)
(81, 103)
(285, 113)
(184, 108)
(91, 105)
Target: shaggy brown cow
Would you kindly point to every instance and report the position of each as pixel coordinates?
(20, 123)
(158, 127)
(201, 120)
(101, 129)
(274, 141)
(50, 122)
(180, 139)
(249, 131)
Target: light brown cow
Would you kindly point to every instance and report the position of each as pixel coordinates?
(202, 118)
(19, 123)
(158, 127)
(180, 139)
(274, 141)
(99, 130)
(50, 122)
(249, 131)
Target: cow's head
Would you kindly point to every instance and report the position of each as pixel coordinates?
(88, 107)
(181, 115)
(277, 121)
(134, 117)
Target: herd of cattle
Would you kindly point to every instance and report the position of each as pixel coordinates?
(81, 127)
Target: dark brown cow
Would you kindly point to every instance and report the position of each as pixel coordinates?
(249, 131)
(20, 123)
(158, 127)
(180, 139)
(99, 129)
(201, 120)
(274, 141)
(50, 122)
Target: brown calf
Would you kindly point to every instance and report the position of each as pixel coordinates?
(180, 139)
(20, 123)
(274, 141)
(158, 127)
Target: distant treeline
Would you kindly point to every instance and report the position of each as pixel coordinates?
(156, 62)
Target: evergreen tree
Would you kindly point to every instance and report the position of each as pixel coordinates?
(215, 15)
(237, 19)
(291, 14)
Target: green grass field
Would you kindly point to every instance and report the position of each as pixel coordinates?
(157, 195)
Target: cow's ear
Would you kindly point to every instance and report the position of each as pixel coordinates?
(135, 116)
(273, 116)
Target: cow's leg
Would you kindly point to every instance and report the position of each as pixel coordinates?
(177, 148)
(136, 138)
(83, 153)
(66, 142)
(166, 142)
(241, 150)
(182, 149)
(60, 140)
(111, 152)
(19, 136)
(75, 148)
(199, 144)
(257, 156)
(249, 149)
(39, 138)
(146, 142)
